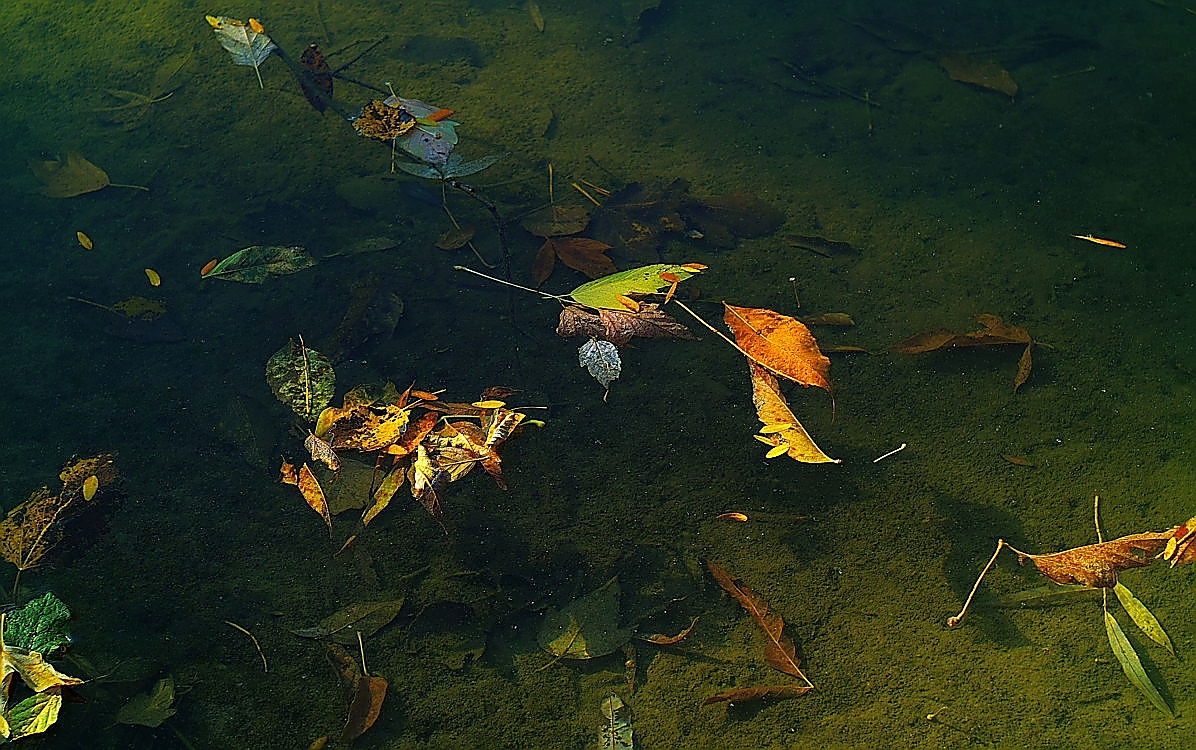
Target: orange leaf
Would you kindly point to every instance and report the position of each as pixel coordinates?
(769, 692)
(1098, 564)
(772, 409)
(414, 435)
(314, 494)
(669, 640)
(779, 652)
(995, 332)
(780, 343)
(367, 700)
(1024, 363)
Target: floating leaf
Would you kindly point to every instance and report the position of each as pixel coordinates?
(615, 731)
(586, 627)
(154, 278)
(384, 494)
(73, 176)
(1181, 547)
(301, 378)
(313, 494)
(780, 343)
(246, 42)
(601, 360)
(35, 714)
(152, 708)
(344, 625)
(1098, 564)
(619, 327)
(90, 486)
(779, 651)
(1131, 664)
(605, 292)
(1143, 617)
(766, 693)
(39, 626)
(774, 412)
(84, 240)
(33, 669)
(555, 221)
(255, 264)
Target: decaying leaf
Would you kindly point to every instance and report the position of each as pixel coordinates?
(620, 326)
(779, 651)
(152, 708)
(365, 706)
(995, 332)
(257, 263)
(586, 627)
(821, 245)
(773, 411)
(344, 625)
(427, 479)
(246, 42)
(669, 640)
(1098, 564)
(601, 360)
(828, 319)
(780, 343)
(302, 378)
(322, 452)
(309, 487)
(72, 176)
(455, 238)
(987, 74)
(766, 693)
(556, 221)
(615, 733)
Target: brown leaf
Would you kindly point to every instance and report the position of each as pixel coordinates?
(1024, 363)
(780, 343)
(455, 238)
(1097, 565)
(743, 214)
(415, 434)
(583, 254)
(821, 245)
(995, 332)
(769, 692)
(544, 263)
(772, 409)
(829, 319)
(779, 652)
(555, 221)
(619, 327)
(368, 696)
(986, 74)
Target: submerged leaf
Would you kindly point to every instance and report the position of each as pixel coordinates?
(302, 378)
(1131, 664)
(152, 708)
(619, 327)
(601, 360)
(586, 627)
(368, 695)
(255, 264)
(344, 625)
(1143, 617)
(615, 731)
(779, 651)
(768, 692)
(555, 221)
(70, 177)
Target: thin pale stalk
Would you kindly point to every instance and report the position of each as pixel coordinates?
(955, 620)
(545, 295)
(131, 187)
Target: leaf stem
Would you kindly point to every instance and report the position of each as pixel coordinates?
(953, 621)
(545, 295)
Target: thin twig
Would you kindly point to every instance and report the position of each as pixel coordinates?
(256, 645)
(953, 621)
(895, 450)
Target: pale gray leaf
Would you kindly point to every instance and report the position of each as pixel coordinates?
(601, 360)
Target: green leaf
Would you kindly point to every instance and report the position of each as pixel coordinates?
(39, 626)
(601, 293)
(301, 378)
(1132, 665)
(1143, 618)
(35, 714)
(149, 709)
(253, 265)
(586, 627)
(615, 731)
(344, 625)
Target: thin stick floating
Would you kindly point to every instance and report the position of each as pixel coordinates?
(896, 450)
(256, 645)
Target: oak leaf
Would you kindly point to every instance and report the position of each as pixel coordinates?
(1097, 565)
(772, 409)
(779, 651)
(780, 343)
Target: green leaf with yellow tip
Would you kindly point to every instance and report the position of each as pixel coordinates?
(603, 293)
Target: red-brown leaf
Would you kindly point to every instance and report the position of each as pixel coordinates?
(779, 652)
(583, 254)
(368, 695)
(1098, 564)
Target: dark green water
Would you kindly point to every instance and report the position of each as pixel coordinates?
(960, 200)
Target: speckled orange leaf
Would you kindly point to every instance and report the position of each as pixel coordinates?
(1098, 564)
(780, 343)
(313, 493)
(772, 409)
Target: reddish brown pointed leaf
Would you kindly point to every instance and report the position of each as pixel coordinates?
(583, 254)
(368, 695)
(994, 332)
(769, 693)
(779, 652)
(544, 263)
(1098, 564)
(780, 343)
(669, 640)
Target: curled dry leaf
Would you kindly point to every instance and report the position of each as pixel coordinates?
(619, 327)
(780, 343)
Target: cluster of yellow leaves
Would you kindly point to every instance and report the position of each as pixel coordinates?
(33, 527)
(412, 441)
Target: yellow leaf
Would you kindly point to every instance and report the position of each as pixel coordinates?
(256, 26)
(769, 429)
(90, 485)
(489, 404)
(778, 450)
(84, 240)
(771, 409)
(32, 668)
(213, 21)
(154, 278)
